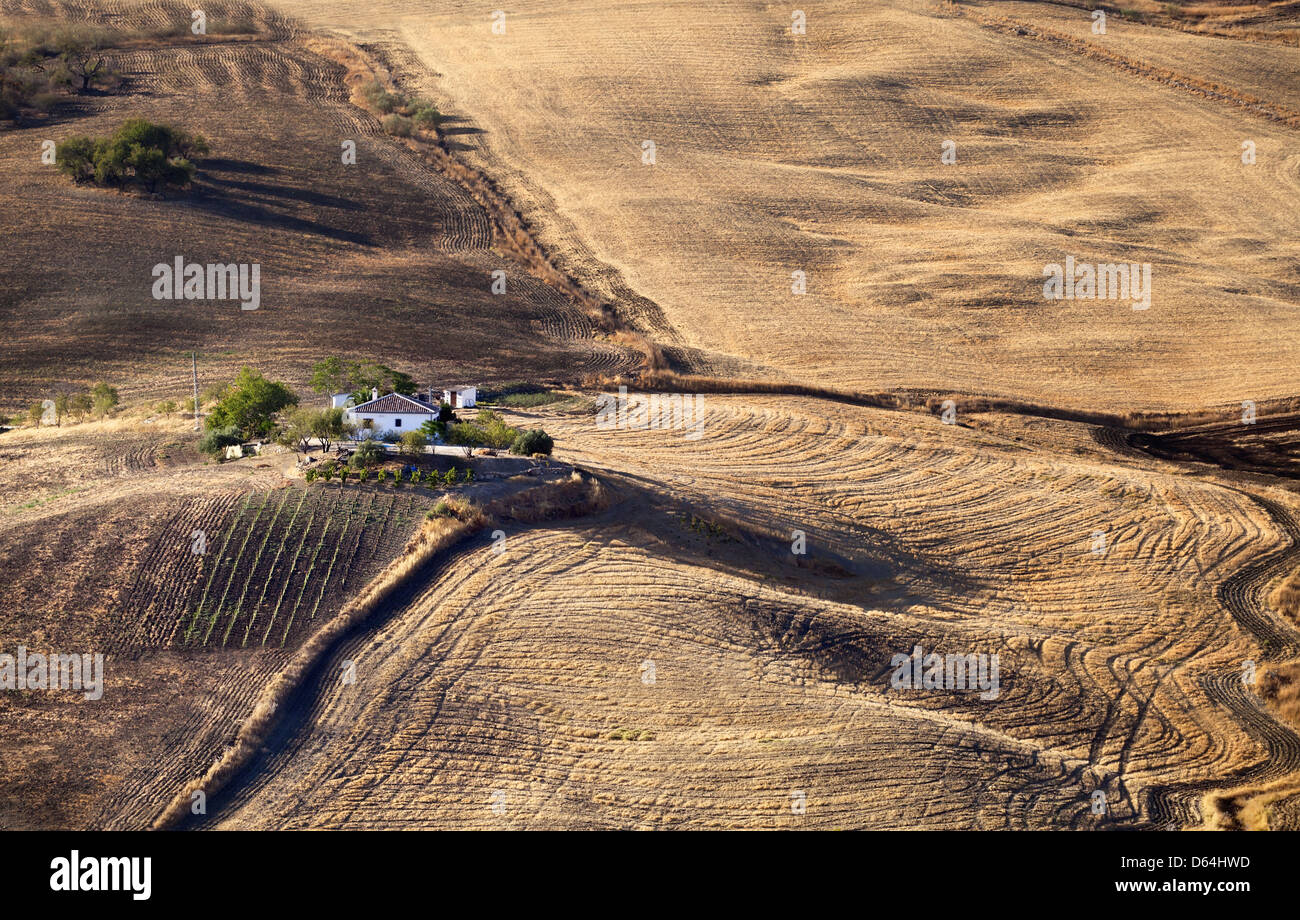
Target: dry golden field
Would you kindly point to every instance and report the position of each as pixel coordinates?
(518, 677)
(820, 153)
(678, 628)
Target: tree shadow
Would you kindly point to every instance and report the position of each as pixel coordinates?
(282, 191)
(218, 203)
(227, 164)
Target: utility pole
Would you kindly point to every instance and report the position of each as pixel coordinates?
(195, 364)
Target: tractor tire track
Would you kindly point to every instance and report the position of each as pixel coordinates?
(1242, 595)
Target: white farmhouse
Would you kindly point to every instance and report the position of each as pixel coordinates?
(394, 412)
(460, 397)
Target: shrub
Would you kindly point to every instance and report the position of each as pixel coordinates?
(390, 437)
(398, 125)
(166, 407)
(310, 475)
(215, 440)
(240, 25)
(381, 477)
(442, 509)
(533, 441)
(402, 115)
(414, 443)
(380, 99)
(368, 453)
(449, 477)
(424, 115)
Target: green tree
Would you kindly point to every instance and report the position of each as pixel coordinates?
(81, 60)
(496, 433)
(104, 398)
(434, 430)
(81, 405)
(331, 375)
(296, 428)
(76, 157)
(365, 377)
(62, 406)
(329, 425)
(250, 404)
(465, 435)
(139, 153)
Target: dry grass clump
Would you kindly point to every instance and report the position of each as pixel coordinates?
(1286, 597)
(654, 355)
(577, 496)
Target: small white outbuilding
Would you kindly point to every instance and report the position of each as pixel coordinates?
(460, 397)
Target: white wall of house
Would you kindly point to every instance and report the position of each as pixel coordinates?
(382, 422)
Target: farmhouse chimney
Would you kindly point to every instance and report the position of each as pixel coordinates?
(374, 392)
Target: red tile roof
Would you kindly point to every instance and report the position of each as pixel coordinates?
(395, 403)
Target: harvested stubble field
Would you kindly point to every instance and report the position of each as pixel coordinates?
(665, 659)
(386, 255)
(820, 153)
(518, 677)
